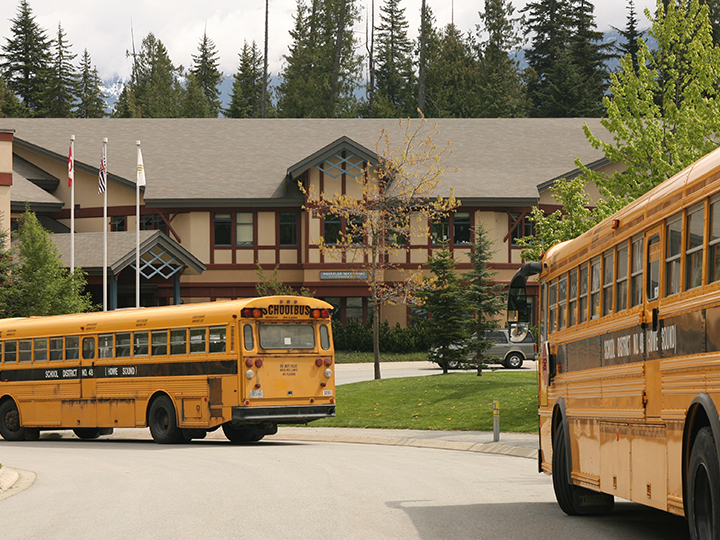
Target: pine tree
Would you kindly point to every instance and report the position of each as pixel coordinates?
(322, 68)
(91, 98)
(502, 94)
(395, 78)
(62, 84)
(247, 90)
(447, 305)
(426, 45)
(10, 106)
(194, 101)
(630, 35)
(206, 72)
(26, 59)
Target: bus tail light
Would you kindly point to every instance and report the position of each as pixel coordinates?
(249, 373)
(249, 362)
(319, 362)
(324, 313)
(255, 313)
(328, 361)
(328, 373)
(258, 363)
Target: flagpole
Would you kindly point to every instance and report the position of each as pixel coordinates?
(137, 228)
(71, 179)
(103, 164)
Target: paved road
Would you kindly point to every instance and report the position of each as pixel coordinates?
(131, 488)
(350, 373)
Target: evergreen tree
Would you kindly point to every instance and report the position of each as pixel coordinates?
(247, 90)
(10, 106)
(154, 89)
(395, 78)
(91, 100)
(194, 101)
(40, 285)
(322, 68)
(501, 91)
(426, 48)
(451, 78)
(630, 35)
(26, 59)
(206, 72)
(62, 83)
(448, 307)
(486, 297)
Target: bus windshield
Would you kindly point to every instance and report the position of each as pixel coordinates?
(287, 336)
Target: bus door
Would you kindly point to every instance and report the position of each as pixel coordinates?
(652, 396)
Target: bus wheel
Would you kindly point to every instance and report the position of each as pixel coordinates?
(241, 434)
(10, 427)
(162, 421)
(574, 500)
(87, 433)
(703, 487)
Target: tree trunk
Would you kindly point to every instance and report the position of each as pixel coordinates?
(422, 59)
(339, 36)
(371, 63)
(263, 111)
(376, 316)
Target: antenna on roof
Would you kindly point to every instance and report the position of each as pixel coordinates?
(132, 38)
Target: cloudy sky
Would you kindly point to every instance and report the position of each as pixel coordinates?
(104, 28)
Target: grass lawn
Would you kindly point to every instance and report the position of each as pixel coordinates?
(456, 401)
(353, 357)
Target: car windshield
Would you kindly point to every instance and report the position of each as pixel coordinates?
(287, 336)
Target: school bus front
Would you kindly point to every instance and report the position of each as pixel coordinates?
(287, 366)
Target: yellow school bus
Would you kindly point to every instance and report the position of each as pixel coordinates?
(629, 374)
(244, 365)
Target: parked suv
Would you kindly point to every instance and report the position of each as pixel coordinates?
(511, 355)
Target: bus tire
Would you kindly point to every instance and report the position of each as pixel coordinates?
(574, 500)
(163, 422)
(241, 434)
(703, 489)
(10, 427)
(87, 433)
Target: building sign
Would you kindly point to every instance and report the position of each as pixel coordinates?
(344, 275)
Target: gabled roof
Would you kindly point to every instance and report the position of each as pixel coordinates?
(23, 192)
(235, 162)
(344, 143)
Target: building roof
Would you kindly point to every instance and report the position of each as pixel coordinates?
(223, 162)
(26, 191)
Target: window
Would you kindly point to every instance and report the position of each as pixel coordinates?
(245, 229)
(552, 301)
(25, 350)
(56, 348)
(88, 348)
(332, 229)
(40, 350)
(572, 303)
(562, 297)
(714, 255)
(288, 228)
(105, 346)
(595, 288)
(118, 224)
(159, 342)
(461, 228)
(621, 278)
(10, 354)
(523, 229)
(324, 337)
(673, 248)
(178, 341)
(198, 337)
(636, 272)
(248, 340)
(140, 343)
(583, 304)
(653, 266)
(216, 339)
(72, 348)
(608, 282)
(694, 248)
(287, 336)
(153, 222)
(354, 309)
(122, 345)
(441, 231)
(223, 229)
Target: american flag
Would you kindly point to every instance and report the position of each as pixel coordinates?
(102, 174)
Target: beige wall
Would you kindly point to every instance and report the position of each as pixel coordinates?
(6, 166)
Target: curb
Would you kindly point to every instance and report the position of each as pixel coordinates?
(14, 481)
(483, 448)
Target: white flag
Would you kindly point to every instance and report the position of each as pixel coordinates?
(140, 168)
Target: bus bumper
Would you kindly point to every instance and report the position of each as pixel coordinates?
(290, 414)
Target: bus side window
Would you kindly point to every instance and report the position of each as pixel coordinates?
(324, 337)
(552, 308)
(140, 343)
(714, 255)
(595, 288)
(159, 342)
(178, 341)
(10, 351)
(72, 348)
(217, 339)
(88, 348)
(636, 275)
(653, 274)
(25, 350)
(105, 346)
(56, 348)
(198, 337)
(1, 353)
(622, 281)
(694, 248)
(673, 241)
(608, 282)
(122, 345)
(248, 337)
(40, 350)
(572, 303)
(583, 305)
(562, 296)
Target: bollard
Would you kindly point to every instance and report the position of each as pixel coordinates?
(496, 421)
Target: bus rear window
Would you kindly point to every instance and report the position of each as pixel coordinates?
(287, 336)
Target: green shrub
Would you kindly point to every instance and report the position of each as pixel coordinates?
(396, 339)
